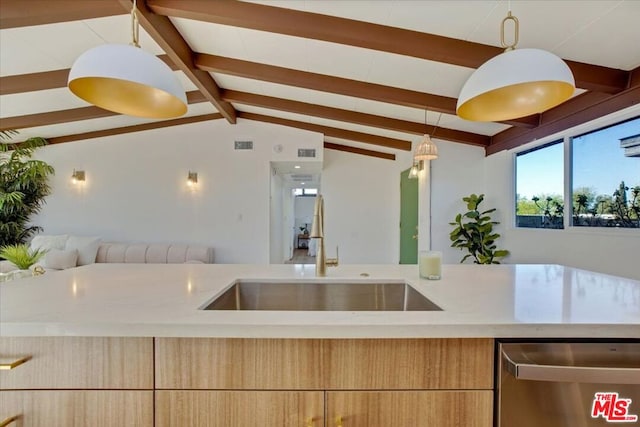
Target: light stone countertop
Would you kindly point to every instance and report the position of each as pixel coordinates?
(163, 300)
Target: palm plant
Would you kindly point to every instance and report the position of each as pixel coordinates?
(21, 255)
(24, 184)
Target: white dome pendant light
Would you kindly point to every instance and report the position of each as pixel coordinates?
(516, 83)
(127, 80)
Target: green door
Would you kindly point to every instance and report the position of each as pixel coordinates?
(408, 219)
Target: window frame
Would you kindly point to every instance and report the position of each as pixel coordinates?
(566, 137)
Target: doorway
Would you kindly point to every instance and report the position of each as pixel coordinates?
(408, 219)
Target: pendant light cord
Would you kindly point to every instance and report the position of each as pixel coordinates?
(435, 128)
(135, 26)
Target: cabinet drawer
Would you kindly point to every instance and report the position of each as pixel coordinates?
(239, 408)
(334, 364)
(77, 363)
(65, 408)
(409, 364)
(233, 364)
(410, 408)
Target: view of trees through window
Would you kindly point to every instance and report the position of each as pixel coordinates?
(606, 177)
(605, 180)
(540, 187)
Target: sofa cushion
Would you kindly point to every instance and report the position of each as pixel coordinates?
(114, 252)
(7, 266)
(136, 254)
(46, 243)
(87, 248)
(58, 259)
(153, 253)
(177, 254)
(157, 254)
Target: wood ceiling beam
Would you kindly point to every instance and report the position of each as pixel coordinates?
(337, 85)
(163, 32)
(362, 151)
(32, 82)
(134, 128)
(350, 135)
(72, 115)
(353, 117)
(581, 109)
(21, 13)
(367, 35)
(48, 79)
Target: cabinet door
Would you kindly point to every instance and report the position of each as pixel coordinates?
(238, 364)
(410, 408)
(239, 408)
(75, 408)
(77, 363)
(409, 364)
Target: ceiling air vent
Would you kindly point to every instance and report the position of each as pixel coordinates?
(243, 145)
(306, 152)
(300, 177)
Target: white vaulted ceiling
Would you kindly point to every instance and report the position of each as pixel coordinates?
(602, 33)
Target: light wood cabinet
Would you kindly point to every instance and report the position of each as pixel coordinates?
(410, 408)
(362, 382)
(239, 408)
(77, 381)
(406, 364)
(73, 408)
(211, 382)
(239, 364)
(77, 363)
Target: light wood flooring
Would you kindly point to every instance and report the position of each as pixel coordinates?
(300, 257)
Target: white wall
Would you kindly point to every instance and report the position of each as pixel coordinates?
(456, 173)
(288, 220)
(276, 220)
(362, 207)
(136, 191)
(136, 186)
(614, 252)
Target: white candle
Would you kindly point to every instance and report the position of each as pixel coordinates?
(430, 265)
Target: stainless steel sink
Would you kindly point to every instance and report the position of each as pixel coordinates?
(321, 296)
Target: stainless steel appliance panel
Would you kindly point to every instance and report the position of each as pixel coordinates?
(568, 384)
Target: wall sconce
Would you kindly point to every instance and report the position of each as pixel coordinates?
(77, 176)
(417, 166)
(192, 178)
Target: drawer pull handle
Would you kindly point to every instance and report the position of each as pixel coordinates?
(7, 421)
(11, 365)
(338, 421)
(309, 422)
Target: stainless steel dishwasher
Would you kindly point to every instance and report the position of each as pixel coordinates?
(568, 384)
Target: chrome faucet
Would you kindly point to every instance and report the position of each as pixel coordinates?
(317, 232)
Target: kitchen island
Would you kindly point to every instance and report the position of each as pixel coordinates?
(477, 301)
(129, 345)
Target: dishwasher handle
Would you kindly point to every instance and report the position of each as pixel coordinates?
(577, 374)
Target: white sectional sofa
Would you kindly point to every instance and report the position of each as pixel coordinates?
(153, 253)
(67, 251)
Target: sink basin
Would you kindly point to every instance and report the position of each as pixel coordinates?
(321, 296)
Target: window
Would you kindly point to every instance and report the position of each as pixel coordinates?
(305, 192)
(606, 177)
(540, 187)
(604, 172)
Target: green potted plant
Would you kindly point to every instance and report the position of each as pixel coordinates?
(474, 232)
(24, 184)
(22, 257)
